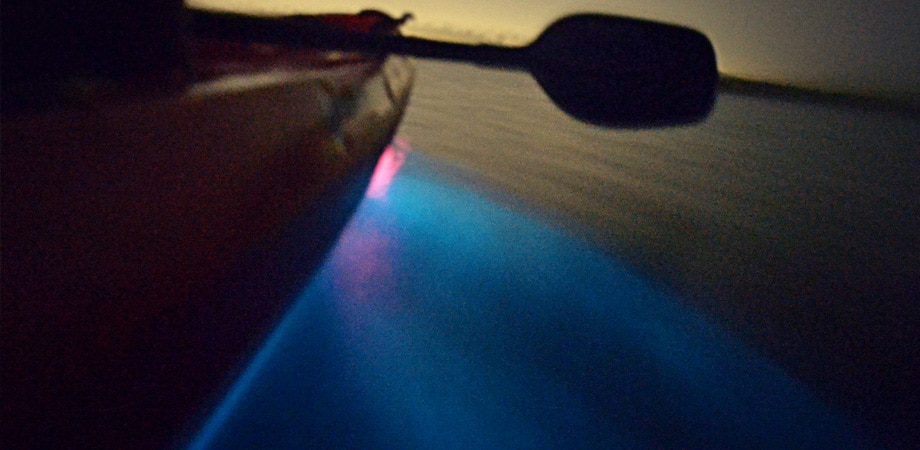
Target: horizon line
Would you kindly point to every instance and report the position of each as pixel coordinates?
(789, 91)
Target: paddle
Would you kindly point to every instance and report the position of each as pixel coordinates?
(604, 70)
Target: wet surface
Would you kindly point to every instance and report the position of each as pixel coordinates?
(678, 287)
(444, 320)
(792, 224)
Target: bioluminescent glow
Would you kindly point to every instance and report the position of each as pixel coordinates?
(387, 166)
(442, 320)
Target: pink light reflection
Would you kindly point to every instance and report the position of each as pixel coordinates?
(387, 166)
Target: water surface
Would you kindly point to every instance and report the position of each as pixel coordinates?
(444, 320)
(793, 224)
(530, 281)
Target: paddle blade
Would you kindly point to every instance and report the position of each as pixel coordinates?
(616, 71)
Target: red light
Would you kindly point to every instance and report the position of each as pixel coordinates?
(387, 166)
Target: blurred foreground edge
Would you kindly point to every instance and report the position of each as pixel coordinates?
(151, 240)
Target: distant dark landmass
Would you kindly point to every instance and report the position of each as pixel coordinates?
(736, 85)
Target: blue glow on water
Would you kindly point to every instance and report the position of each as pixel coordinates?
(444, 320)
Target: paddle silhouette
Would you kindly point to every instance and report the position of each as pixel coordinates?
(601, 69)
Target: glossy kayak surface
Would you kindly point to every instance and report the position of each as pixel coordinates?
(149, 245)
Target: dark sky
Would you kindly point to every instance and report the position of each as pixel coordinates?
(842, 45)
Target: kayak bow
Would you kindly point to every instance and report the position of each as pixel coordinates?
(151, 241)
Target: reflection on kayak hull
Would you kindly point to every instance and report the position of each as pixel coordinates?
(145, 243)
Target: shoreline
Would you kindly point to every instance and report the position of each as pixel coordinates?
(765, 89)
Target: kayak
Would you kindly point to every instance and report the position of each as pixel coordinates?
(150, 242)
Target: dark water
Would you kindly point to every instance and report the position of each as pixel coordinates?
(529, 281)
(445, 320)
(795, 225)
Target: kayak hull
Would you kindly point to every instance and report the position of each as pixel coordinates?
(149, 246)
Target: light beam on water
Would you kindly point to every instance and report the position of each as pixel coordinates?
(441, 319)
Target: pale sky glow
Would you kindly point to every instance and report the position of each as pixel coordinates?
(844, 45)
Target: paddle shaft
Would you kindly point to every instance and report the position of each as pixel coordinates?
(302, 32)
(604, 70)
